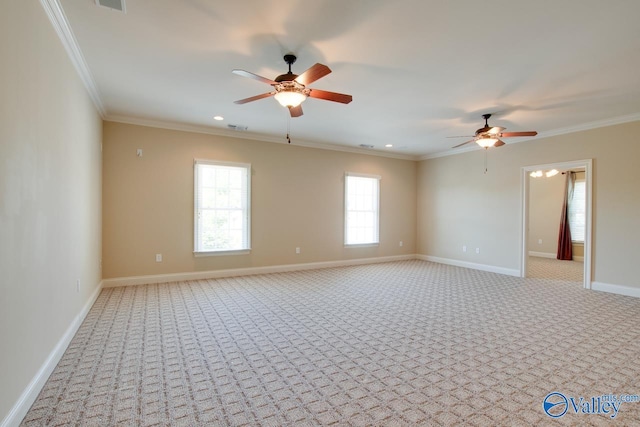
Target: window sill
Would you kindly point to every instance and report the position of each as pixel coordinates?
(362, 245)
(221, 253)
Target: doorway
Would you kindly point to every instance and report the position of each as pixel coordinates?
(527, 244)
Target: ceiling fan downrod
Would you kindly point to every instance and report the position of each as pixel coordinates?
(290, 58)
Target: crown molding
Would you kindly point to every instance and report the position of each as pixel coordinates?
(591, 125)
(562, 131)
(59, 21)
(161, 124)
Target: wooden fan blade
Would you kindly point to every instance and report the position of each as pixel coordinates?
(464, 143)
(254, 98)
(295, 111)
(499, 143)
(330, 96)
(510, 134)
(244, 73)
(312, 74)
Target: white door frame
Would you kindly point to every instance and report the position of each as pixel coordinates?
(524, 180)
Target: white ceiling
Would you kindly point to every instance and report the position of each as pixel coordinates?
(418, 70)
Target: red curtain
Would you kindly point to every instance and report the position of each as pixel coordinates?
(565, 248)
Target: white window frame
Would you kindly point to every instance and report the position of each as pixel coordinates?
(376, 238)
(198, 248)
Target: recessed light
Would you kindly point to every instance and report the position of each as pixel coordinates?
(218, 118)
(389, 145)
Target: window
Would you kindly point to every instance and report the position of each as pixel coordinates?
(361, 200)
(222, 207)
(577, 212)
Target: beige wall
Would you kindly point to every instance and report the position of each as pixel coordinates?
(50, 183)
(297, 201)
(546, 196)
(458, 204)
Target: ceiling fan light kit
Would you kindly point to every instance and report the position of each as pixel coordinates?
(290, 90)
(291, 95)
(486, 141)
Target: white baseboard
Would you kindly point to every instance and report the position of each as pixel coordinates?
(542, 254)
(216, 274)
(29, 395)
(466, 264)
(550, 255)
(616, 289)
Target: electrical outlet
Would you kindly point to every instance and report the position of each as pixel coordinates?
(477, 250)
(464, 248)
(158, 257)
(139, 152)
(401, 243)
(539, 241)
(297, 250)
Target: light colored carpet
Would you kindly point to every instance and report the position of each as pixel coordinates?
(394, 344)
(555, 269)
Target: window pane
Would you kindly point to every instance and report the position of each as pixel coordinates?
(235, 199)
(577, 212)
(222, 198)
(222, 177)
(207, 175)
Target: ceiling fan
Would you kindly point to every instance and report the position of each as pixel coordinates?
(290, 90)
(489, 136)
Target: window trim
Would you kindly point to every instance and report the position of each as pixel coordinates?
(221, 252)
(346, 212)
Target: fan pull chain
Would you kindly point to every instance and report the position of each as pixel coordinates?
(288, 127)
(485, 159)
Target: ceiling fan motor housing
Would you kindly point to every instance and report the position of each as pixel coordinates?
(486, 127)
(482, 130)
(288, 77)
(289, 59)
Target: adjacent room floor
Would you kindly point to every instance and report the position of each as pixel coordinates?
(394, 344)
(554, 269)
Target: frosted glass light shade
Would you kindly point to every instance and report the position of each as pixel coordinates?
(290, 98)
(486, 142)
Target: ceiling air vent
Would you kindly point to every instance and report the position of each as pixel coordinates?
(366, 146)
(113, 4)
(237, 127)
